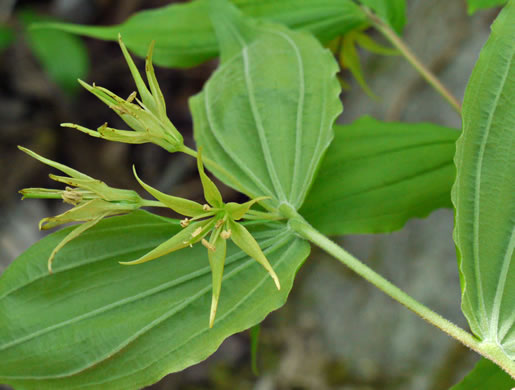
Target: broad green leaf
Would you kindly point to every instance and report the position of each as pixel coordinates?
(392, 12)
(484, 192)
(63, 56)
(185, 37)
(474, 5)
(266, 114)
(377, 175)
(6, 37)
(486, 375)
(95, 324)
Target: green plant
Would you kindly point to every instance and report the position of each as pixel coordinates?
(275, 88)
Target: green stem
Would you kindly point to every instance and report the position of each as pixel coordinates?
(488, 350)
(396, 41)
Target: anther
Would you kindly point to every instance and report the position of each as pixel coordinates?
(206, 207)
(131, 97)
(196, 232)
(71, 196)
(185, 222)
(226, 234)
(208, 245)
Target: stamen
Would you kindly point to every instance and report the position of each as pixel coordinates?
(208, 245)
(219, 223)
(185, 222)
(226, 234)
(131, 97)
(71, 196)
(196, 232)
(206, 207)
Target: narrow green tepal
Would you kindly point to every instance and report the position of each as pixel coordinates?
(484, 192)
(95, 324)
(266, 114)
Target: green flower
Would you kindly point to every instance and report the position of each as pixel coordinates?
(215, 217)
(91, 199)
(147, 117)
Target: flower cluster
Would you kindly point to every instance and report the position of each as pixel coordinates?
(91, 199)
(147, 117)
(215, 217)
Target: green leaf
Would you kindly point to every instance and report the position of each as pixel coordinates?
(377, 175)
(95, 324)
(486, 375)
(6, 37)
(484, 192)
(266, 114)
(474, 5)
(392, 12)
(63, 56)
(185, 37)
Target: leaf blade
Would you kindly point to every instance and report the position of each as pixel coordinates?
(483, 194)
(184, 34)
(75, 331)
(376, 175)
(485, 375)
(267, 122)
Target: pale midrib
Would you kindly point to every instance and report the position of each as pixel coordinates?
(509, 249)
(475, 229)
(300, 113)
(278, 241)
(257, 118)
(507, 326)
(212, 124)
(316, 154)
(220, 318)
(477, 195)
(502, 283)
(261, 131)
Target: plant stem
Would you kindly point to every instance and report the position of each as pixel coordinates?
(488, 350)
(396, 41)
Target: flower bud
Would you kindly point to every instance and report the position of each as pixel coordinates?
(146, 117)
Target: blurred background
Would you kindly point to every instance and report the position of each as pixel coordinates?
(336, 331)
